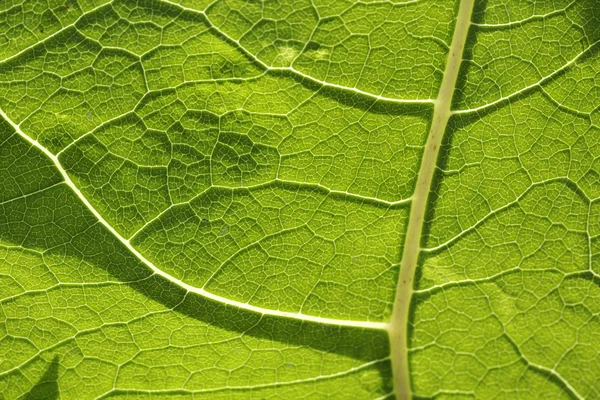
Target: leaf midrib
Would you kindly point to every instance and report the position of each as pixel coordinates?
(398, 328)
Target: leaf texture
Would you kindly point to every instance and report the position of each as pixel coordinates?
(233, 199)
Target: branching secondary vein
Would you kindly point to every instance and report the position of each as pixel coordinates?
(294, 71)
(180, 283)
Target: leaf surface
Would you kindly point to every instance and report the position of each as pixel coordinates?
(347, 199)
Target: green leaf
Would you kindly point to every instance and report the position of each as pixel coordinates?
(299, 199)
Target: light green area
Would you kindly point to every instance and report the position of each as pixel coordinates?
(266, 152)
(72, 292)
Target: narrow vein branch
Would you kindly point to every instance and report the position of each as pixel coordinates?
(533, 86)
(291, 69)
(247, 387)
(53, 35)
(398, 329)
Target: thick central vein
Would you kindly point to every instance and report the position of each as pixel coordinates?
(398, 329)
